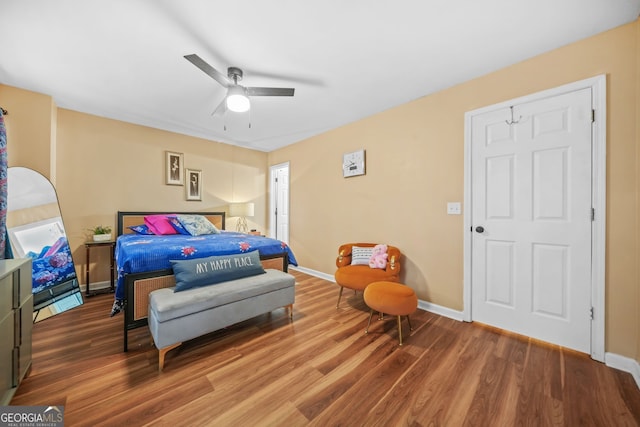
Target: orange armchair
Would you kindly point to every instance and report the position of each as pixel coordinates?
(358, 277)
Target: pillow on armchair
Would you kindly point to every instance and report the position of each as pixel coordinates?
(361, 255)
(379, 257)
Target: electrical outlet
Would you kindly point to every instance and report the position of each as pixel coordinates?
(453, 208)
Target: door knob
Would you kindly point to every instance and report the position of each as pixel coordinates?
(479, 229)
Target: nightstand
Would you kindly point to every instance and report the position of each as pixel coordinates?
(111, 244)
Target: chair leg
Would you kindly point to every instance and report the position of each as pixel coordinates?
(400, 330)
(339, 296)
(366, 331)
(409, 321)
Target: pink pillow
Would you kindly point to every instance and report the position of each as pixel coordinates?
(379, 257)
(159, 224)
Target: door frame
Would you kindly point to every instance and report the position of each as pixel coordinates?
(598, 85)
(272, 196)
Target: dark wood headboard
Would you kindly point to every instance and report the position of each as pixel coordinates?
(127, 219)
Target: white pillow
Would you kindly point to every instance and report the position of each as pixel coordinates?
(360, 255)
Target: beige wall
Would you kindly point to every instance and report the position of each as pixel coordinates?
(415, 166)
(30, 126)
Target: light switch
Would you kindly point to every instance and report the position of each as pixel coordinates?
(453, 208)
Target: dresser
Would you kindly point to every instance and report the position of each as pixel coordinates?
(16, 323)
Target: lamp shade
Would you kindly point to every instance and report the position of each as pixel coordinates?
(241, 209)
(237, 100)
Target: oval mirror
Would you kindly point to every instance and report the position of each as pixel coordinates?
(36, 230)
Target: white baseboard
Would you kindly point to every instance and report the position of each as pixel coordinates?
(96, 286)
(314, 273)
(624, 364)
(423, 305)
(440, 310)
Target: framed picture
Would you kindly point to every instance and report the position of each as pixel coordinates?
(174, 167)
(194, 184)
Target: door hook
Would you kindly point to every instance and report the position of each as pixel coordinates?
(512, 121)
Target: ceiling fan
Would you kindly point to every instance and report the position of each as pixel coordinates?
(237, 98)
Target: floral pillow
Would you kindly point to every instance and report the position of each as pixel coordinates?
(197, 225)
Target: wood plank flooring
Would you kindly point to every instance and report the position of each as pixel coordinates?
(320, 370)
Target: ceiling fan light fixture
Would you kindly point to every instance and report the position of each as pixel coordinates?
(237, 100)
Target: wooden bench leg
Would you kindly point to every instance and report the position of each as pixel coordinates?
(163, 352)
(290, 310)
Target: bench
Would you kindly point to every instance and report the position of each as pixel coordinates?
(175, 317)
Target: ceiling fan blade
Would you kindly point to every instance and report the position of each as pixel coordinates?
(221, 108)
(208, 69)
(270, 91)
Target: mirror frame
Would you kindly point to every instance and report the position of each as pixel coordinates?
(35, 229)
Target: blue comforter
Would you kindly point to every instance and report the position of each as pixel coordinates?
(136, 253)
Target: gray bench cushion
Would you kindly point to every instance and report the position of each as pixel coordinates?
(167, 304)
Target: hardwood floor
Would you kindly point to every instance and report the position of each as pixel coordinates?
(322, 370)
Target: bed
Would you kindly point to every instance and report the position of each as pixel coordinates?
(143, 265)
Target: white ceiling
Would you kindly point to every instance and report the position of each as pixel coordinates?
(348, 59)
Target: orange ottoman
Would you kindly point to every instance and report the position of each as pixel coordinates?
(392, 298)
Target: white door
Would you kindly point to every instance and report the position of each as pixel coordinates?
(280, 202)
(531, 219)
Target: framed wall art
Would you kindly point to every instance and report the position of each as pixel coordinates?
(194, 184)
(174, 165)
